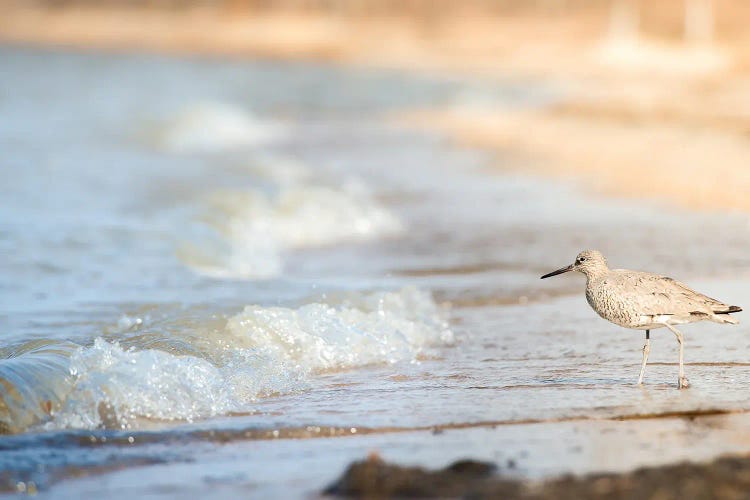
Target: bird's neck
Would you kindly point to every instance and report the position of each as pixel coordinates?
(596, 274)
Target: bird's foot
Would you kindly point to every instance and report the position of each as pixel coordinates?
(683, 383)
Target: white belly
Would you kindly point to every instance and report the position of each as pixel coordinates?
(650, 322)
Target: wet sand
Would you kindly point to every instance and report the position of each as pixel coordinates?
(527, 458)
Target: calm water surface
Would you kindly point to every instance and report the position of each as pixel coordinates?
(199, 252)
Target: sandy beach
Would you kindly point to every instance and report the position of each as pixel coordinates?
(698, 167)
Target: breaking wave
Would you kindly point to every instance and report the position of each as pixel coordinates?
(258, 352)
(251, 230)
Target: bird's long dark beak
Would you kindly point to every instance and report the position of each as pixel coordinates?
(559, 271)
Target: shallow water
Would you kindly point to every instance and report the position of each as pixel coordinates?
(204, 251)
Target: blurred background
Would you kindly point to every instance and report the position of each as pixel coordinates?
(639, 77)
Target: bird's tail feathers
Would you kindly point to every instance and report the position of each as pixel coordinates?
(729, 309)
(724, 318)
(722, 315)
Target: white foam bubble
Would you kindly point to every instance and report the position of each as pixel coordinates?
(256, 228)
(115, 387)
(215, 127)
(261, 351)
(377, 328)
(315, 216)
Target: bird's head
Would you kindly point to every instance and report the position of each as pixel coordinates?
(588, 262)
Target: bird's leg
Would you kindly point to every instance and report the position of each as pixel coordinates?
(646, 350)
(683, 381)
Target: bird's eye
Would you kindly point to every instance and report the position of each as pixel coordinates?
(581, 259)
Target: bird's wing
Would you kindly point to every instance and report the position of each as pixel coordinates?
(656, 295)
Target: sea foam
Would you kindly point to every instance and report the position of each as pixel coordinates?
(382, 327)
(261, 351)
(215, 127)
(255, 228)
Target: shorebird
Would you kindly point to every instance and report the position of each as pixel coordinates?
(645, 301)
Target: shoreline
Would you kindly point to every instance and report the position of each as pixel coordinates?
(649, 118)
(528, 456)
(396, 40)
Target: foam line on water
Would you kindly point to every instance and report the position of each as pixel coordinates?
(250, 231)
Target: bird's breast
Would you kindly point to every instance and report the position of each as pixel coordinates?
(612, 305)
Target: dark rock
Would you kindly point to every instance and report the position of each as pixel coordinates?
(375, 478)
(725, 478)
